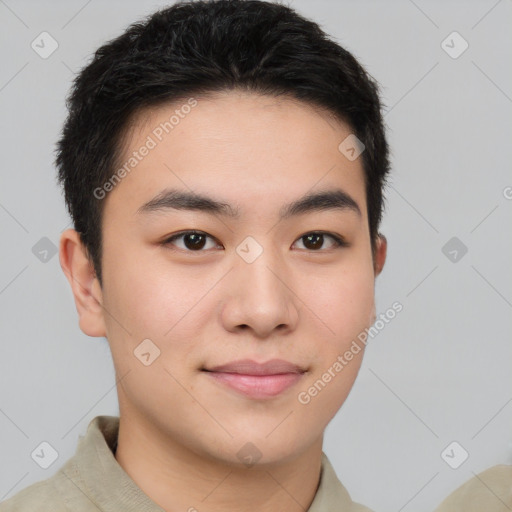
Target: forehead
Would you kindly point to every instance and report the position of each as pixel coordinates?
(247, 147)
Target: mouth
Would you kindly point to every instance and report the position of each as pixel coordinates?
(257, 380)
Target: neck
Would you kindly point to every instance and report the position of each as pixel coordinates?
(176, 478)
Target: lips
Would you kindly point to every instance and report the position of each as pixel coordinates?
(250, 367)
(257, 380)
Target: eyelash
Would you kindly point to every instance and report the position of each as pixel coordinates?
(339, 242)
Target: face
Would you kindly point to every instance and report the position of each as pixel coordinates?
(235, 273)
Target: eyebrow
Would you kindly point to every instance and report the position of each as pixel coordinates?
(173, 199)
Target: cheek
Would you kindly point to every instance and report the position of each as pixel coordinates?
(148, 296)
(152, 301)
(345, 304)
(346, 310)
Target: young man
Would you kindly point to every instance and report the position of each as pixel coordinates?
(224, 164)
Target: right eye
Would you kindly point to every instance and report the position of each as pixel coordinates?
(190, 241)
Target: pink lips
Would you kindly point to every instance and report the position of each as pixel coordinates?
(257, 380)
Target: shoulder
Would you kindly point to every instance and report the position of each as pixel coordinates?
(356, 507)
(38, 497)
(490, 490)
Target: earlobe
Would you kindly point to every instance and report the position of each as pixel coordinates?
(84, 284)
(380, 253)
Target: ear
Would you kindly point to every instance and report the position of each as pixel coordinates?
(379, 258)
(85, 286)
(381, 247)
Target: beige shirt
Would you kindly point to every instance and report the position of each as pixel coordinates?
(490, 491)
(92, 481)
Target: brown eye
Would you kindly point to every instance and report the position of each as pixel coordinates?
(194, 241)
(315, 241)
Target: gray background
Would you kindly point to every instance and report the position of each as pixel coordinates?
(439, 372)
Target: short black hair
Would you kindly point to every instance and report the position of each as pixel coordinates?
(203, 47)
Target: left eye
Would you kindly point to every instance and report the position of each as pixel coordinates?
(196, 241)
(315, 240)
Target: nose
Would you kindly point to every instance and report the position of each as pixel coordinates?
(260, 298)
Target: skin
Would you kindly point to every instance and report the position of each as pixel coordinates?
(180, 431)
